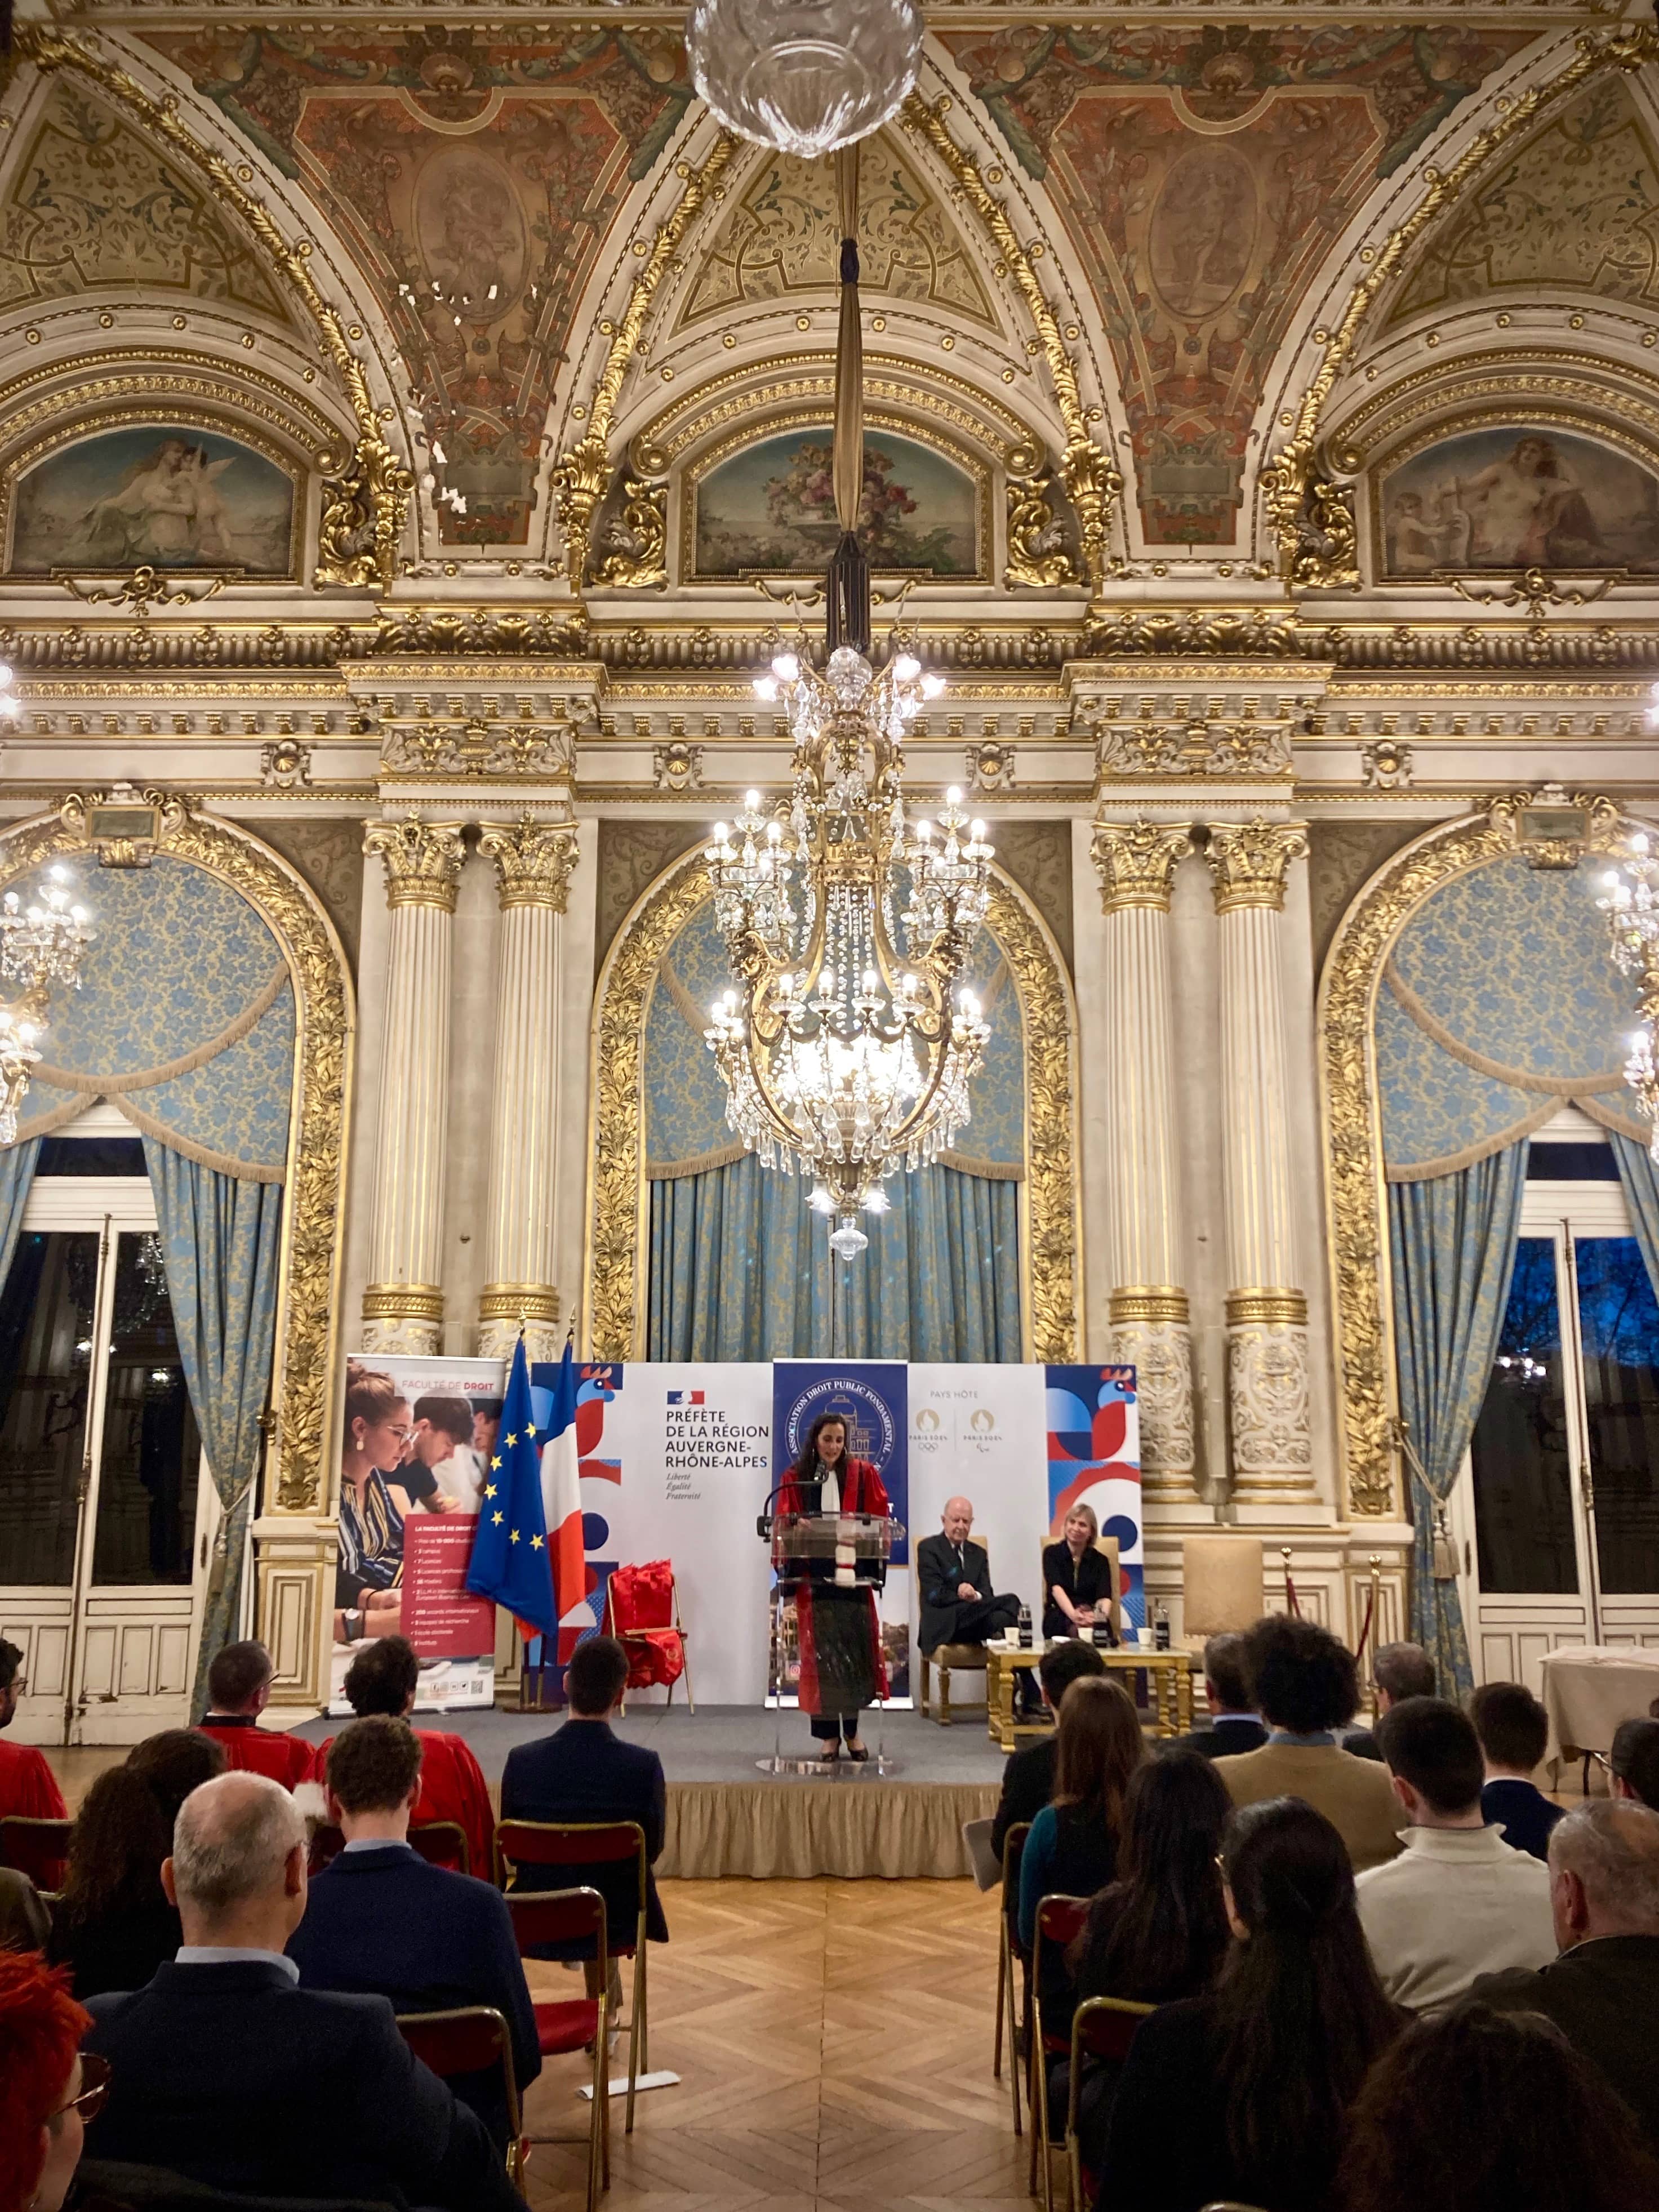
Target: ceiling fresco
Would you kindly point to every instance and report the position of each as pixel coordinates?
(1204, 174)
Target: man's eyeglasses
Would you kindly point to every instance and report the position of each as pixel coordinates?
(94, 2093)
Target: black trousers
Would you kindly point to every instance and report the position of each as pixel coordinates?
(983, 1618)
(828, 1726)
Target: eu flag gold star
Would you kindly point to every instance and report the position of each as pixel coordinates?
(495, 1520)
(513, 1535)
(489, 1490)
(535, 1543)
(495, 1464)
(530, 1430)
(511, 1440)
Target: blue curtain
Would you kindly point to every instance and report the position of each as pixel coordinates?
(17, 1166)
(1453, 1242)
(220, 1236)
(740, 1269)
(1641, 1180)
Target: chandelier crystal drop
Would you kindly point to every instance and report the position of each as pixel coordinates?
(40, 945)
(1631, 905)
(804, 75)
(847, 1046)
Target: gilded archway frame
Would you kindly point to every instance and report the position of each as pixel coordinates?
(618, 1214)
(1362, 1296)
(295, 1476)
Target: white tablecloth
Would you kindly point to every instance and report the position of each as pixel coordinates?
(1589, 1688)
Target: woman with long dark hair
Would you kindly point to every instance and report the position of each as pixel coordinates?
(1073, 1848)
(1244, 2093)
(837, 1630)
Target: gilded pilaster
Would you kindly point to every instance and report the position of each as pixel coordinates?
(403, 1304)
(1267, 1314)
(534, 861)
(1147, 1309)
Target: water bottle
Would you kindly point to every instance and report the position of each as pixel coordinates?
(1161, 1626)
(1026, 1628)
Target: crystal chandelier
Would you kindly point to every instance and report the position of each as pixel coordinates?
(848, 927)
(804, 75)
(40, 945)
(1631, 905)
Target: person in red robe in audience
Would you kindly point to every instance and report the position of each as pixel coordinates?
(381, 1678)
(838, 1634)
(239, 1690)
(27, 1786)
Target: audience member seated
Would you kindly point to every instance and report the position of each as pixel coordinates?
(1515, 1733)
(382, 1679)
(1077, 1580)
(46, 2085)
(1158, 1932)
(1602, 1992)
(955, 1577)
(1235, 1724)
(25, 1923)
(585, 1772)
(1458, 1902)
(1402, 1671)
(1243, 2093)
(1634, 1762)
(1473, 2110)
(1028, 1779)
(380, 1918)
(239, 1690)
(1072, 1851)
(1307, 1687)
(113, 1926)
(27, 1786)
(222, 2068)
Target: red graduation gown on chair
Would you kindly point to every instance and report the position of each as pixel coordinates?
(861, 1492)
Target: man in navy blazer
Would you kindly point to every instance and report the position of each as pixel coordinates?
(225, 2070)
(585, 1772)
(381, 1919)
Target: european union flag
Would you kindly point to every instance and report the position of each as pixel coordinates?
(509, 1552)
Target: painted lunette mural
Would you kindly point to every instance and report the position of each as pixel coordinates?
(1515, 498)
(1203, 174)
(156, 496)
(475, 179)
(770, 509)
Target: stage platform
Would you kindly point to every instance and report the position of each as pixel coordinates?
(725, 1818)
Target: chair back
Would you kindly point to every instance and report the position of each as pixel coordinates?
(467, 2040)
(568, 1843)
(36, 1848)
(326, 1844)
(443, 1844)
(559, 1916)
(1059, 1922)
(1104, 2027)
(641, 1597)
(1013, 1851)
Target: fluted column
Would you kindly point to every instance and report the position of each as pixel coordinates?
(1267, 1309)
(404, 1304)
(533, 863)
(1148, 1308)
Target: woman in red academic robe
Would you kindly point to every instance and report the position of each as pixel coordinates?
(839, 1635)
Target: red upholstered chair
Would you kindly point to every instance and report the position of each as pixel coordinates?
(577, 1843)
(36, 1848)
(558, 1916)
(1103, 2028)
(467, 2041)
(643, 1611)
(1059, 1922)
(443, 1844)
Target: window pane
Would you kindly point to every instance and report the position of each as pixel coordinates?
(152, 1454)
(1618, 1318)
(1523, 1478)
(46, 1365)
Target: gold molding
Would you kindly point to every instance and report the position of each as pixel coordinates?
(204, 377)
(1266, 1309)
(1148, 1302)
(423, 860)
(302, 1366)
(403, 1302)
(534, 863)
(1250, 862)
(519, 1302)
(367, 501)
(617, 1244)
(1289, 484)
(1591, 384)
(1137, 861)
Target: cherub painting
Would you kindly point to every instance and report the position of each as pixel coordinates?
(1518, 499)
(166, 498)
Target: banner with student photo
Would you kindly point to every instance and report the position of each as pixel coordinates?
(418, 1435)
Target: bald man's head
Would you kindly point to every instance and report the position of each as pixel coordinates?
(1604, 1870)
(958, 1519)
(238, 1855)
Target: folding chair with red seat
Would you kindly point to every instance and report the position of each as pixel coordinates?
(562, 1915)
(443, 1844)
(36, 1848)
(326, 1844)
(520, 1844)
(1011, 1952)
(1059, 1922)
(469, 2040)
(1101, 2029)
(642, 1612)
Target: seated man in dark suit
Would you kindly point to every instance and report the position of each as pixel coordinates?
(1515, 1734)
(1028, 1779)
(957, 1603)
(223, 2069)
(1400, 1671)
(1235, 1724)
(584, 1772)
(381, 1919)
(1602, 1990)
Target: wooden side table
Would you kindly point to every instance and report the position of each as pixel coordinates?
(1172, 1689)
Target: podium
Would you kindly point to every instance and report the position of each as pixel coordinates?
(839, 1551)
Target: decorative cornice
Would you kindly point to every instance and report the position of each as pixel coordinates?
(1250, 862)
(1207, 751)
(423, 862)
(534, 861)
(1267, 1309)
(1137, 863)
(1157, 1301)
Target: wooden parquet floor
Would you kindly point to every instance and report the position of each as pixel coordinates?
(834, 2045)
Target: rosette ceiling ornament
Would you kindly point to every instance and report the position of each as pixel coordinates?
(804, 75)
(1631, 905)
(847, 1046)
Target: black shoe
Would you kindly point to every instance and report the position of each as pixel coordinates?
(859, 1757)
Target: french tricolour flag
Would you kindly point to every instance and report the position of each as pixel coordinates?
(685, 1397)
(562, 1495)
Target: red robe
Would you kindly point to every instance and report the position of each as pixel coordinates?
(29, 1788)
(250, 1749)
(452, 1788)
(861, 1492)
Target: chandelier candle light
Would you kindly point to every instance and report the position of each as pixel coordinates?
(1631, 905)
(804, 75)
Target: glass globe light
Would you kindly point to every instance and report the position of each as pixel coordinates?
(804, 75)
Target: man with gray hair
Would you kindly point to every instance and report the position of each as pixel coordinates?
(224, 2070)
(1602, 1990)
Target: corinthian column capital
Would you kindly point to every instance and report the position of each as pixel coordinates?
(423, 860)
(1248, 862)
(1137, 862)
(534, 860)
